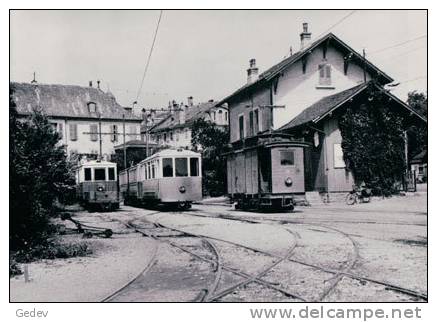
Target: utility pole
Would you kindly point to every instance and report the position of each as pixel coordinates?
(365, 63)
(124, 142)
(100, 136)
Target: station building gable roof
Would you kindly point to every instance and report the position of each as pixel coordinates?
(317, 111)
(67, 101)
(330, 39)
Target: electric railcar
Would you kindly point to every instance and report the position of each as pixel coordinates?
(266, 172)
(171, 177)
(97, 186)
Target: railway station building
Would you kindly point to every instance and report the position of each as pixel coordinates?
(86, 118)
(293, 109)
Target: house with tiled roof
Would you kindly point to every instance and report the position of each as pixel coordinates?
(174, 130)
(302, 97)
(89, 121)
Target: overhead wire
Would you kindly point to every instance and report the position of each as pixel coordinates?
(149, 56)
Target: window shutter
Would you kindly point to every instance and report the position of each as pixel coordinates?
(73, 132)
(61, 130)
(93, 131)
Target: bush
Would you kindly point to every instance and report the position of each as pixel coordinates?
(14, 268)
(52, 251)
(39, 175)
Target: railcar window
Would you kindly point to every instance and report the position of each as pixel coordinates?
(87, 174)
(287, 157)
(111, 174)
(181, 167)
(99, 174)
(194, 167)
(167, 167)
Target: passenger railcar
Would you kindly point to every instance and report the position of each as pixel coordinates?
(172, 177)
(266, 172)
(97, 186)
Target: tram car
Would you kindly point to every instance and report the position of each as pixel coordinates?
(266, 172)
(172, 177)
(97, 187)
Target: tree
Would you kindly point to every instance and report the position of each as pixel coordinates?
(39, 174)
(373, 142)
(417, 134)
(211, 140)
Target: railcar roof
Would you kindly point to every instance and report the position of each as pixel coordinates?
(95, 163)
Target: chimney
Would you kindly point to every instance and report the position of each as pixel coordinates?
(190, 101)
(291, 51)
(252, 72)
(91, 84)
(98, 84)
(305, 36)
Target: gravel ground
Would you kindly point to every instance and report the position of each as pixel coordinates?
(114, 262)
(384, 240)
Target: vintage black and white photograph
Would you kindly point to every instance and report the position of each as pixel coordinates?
(218, 156)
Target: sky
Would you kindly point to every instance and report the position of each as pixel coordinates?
(200, 53)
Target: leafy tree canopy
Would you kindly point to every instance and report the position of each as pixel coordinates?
(39, 174)
(211, 140)
(373, 142)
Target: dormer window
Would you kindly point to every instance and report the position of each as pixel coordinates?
(92, 108)
(325, 75)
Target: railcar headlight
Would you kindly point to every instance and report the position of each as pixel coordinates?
(182, 189)
(100, 188)
(288, 182)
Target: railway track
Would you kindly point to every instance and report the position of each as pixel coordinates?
(338, 274)
(211, 293)
(208, 295)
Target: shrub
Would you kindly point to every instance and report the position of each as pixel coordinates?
(53, 250)
(14, 268)
(39, 174)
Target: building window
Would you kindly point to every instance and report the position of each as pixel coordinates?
(73, 132)
(325, 74)
(186, 133)
(181, 167)
(93, 132)
(194, 167)
(165, 137)
(241, 126)
(87, 174)
(338, 156)
(220, 116)
(287, 157)
(92, 107)
(99, 174)
(167, 167)
(171, 136)
(226, 117)
(114, 131)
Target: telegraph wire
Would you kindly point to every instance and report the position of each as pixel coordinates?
(337, 23)
(397, 45)
(148, 58)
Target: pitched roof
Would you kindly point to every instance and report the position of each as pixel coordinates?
(322, 107)
(327, 104)
(67, 101)
(192, 113)
(285, 63)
